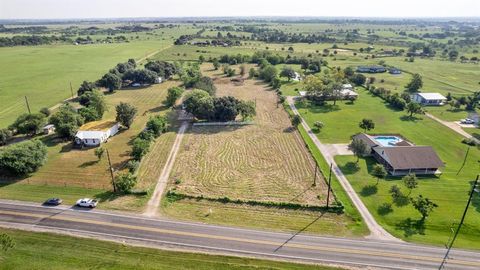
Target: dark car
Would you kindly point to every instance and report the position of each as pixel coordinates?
(53, 201)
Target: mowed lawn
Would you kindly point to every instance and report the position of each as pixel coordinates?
(44, 73)
(449, 191)
(266, 161)
(53, 251)
(69, 171)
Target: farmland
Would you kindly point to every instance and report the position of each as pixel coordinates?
(265, 161)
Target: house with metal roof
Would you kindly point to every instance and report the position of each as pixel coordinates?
(429, 99)
(95, 133)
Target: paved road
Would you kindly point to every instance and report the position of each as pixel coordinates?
(137, 229)
(154, 202)
(376, 231)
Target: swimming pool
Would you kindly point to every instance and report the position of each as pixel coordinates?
(388, 140)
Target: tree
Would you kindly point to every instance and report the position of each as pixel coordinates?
(125, 114)
(157, 125)
(140, 148)
(410, 181)
(366, 124)
(359, 148)
(6, 242)
(268, 73)
(453, 55)
(29, 123)
(89, 114)
(243, 70)
(125, 182)
(174, 93)
(246, 109)
(252, 73)
(199, 103)
(415, 84)
(318, 125)
(86, 86)
(288, 72)
(5, 135)
(206, 83)
(99, 152)
(96, 100)
(423, 205)
(66, 122)
(296, 120)
(163, 69)
(396, 192)
(414, 108)
(24, 157)
(358, 79)
(142, 76)
(110, 81)
(226, 108)
(379, 172)
(216, 64)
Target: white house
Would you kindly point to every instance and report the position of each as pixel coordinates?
(429, 99)
(158, 80)
(95, 133)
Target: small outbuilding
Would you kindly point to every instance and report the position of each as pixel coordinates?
(429, 99)
(48, 129)
(95, 133)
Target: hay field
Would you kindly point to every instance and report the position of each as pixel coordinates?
(266, 161)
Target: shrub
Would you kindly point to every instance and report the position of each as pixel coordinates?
(5, 135)
(470, 141)
(125, 114)
(132, 165)
(174, 93)
(125, 182)
(157, 125)
(140, 148)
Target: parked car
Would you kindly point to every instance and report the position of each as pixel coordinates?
(86, 202)
(53, 201)
(467, 121)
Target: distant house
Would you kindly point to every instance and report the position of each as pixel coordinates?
(371, 69)
(158, 80)
(297, 77)
(395, 71)
(48, 129)
(95, 133)
(401, 157)
(347, 86)
(429, 99)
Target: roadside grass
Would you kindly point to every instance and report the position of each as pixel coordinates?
(449, 191)
(265, 218)
(446, 113)
(72, 168)
(53, 251)
(265, 162)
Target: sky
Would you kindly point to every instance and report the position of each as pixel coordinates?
(77, 9)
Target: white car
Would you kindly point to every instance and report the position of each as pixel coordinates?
(467, 121)
(86, 202)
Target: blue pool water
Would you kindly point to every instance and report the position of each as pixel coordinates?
(387, 140)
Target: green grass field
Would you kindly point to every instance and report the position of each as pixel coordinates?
(449, 190)
(44, 73)
(52, 251)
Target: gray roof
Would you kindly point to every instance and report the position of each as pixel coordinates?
(410, 157)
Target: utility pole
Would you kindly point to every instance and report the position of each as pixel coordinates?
(71, 89)
(475, 189)
(111, 171)
(28, 106)
(329, 182)
(315, 176)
